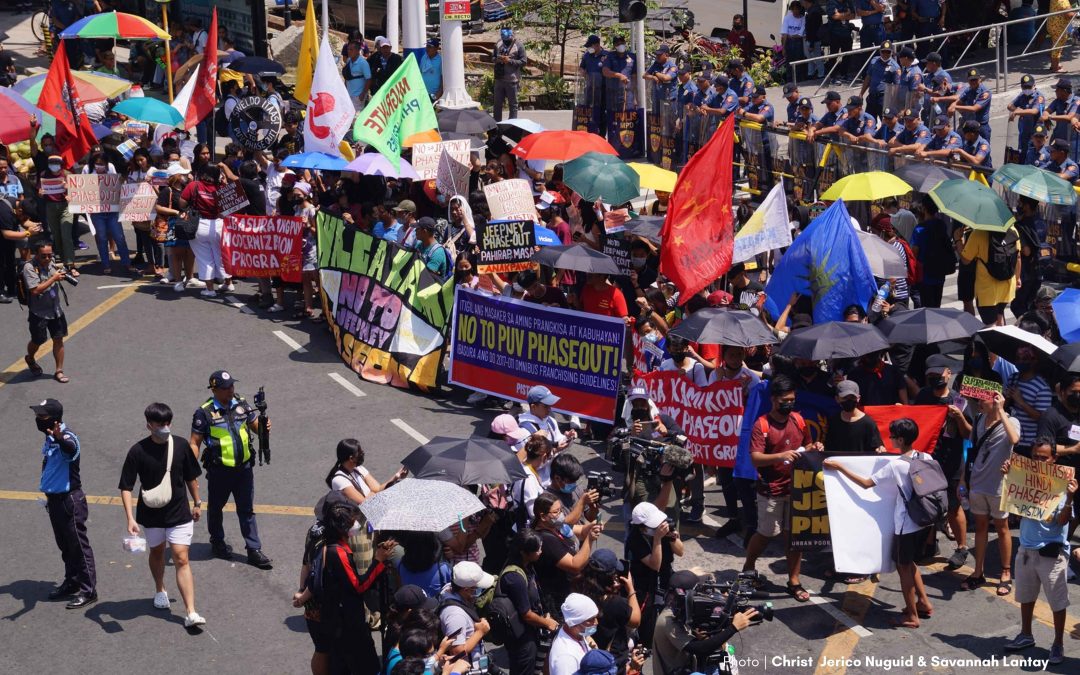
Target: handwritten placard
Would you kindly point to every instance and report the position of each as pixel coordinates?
(425, 156)
(53, 186)
(1033, 489)
(137, 201)
(93, 193)
(978, 388)
(232, 198)
(453, 176)
(505, 246)
(511, 200)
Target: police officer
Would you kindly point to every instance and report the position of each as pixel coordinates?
(1038, 152)
(889, 128)
(662, 74)
(1026, 109)
(741, 81)
(804, 117)
(791, 95)
(944, 142)
(760, 111)
(839, 29)
(225, 423)
(872, 13)
(619, 67)
(912, 138)
(883, 70)
(830, 122)
(973, 103)
(66, 503)
(1060, 114)
(858, 125)
(974, 149)
(911, 80)
(929, 16)
(937, 87)
(1060, 162)
(591, 71)
(723, 100)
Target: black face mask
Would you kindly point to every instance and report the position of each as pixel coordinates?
(678, 356)
(44, 425)
(936, 381)
(786, 407)
(1073, 399)
(848, 406)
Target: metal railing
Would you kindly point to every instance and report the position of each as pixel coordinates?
(1000, 60)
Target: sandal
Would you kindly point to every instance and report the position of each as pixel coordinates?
(1004, 586)
(35, 369)
(972, 582)
(798, 592)
(60, 377)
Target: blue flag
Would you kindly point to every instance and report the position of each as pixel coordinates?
(827, 263)
(814, 409)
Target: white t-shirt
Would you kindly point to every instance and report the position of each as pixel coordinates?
(200, 40)
(341, 480)
(697, 373)
(886, 479)
(566, 654)
(528, 489)
(793, 26)
(274, 178)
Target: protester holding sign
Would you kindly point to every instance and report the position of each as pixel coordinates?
(107, 223)
(201, 196)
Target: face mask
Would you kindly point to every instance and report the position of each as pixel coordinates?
(848, 406)
(786, 407)
(621, 49)
(569, 488)
(589, 631)
(100, 169)
(43, 425)
(652, 337)
(54, 167)
(161, 434)
(1025, 366)
(638, 263)
(936, 381)
(1073, 399)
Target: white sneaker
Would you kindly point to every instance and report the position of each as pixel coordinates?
(195, 283)
(207, 293)
(168, 278)
(193, 619)
(476, 397)
(178, 287)
(161, 600)
(575, 423)
(275, 308)
(228, 287)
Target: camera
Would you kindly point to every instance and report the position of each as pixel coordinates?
(649, 456)
(264, 430)
(617, 446)
(70, 279)
(711, 607)
(601, 482)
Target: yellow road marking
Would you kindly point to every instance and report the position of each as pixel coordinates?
(841, 644)
(18, 495)
(83, 321)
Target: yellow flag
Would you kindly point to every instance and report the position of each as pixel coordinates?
(309, 55)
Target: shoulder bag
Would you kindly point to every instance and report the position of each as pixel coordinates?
(161, 495)
(187, 224)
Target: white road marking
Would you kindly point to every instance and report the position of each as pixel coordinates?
(134, 283)
(404, 426)
(297, 347)
(830, 609)
(235, 302)
(355, 390)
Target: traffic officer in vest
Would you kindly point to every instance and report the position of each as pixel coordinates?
(226, 424)
(974, 149)
(974, 103)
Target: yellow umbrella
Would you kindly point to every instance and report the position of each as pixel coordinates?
(654, 178)
(866, 187)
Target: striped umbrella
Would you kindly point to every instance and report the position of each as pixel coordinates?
(15, 114)
(1039, 184)
(91, 87)
(115, 25)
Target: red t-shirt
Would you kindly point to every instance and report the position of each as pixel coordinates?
(776, 478)
(607, 300)
(202, 197)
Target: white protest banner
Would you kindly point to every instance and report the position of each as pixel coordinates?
(93, 193)
(53, 186)
(861, 522)
(1033, 489)
(767, 228)
(232, 198)
(425, 156)
(511, 200)
(453, 176)
(137, 201)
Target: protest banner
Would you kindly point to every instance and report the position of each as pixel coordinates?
(978, 388)
(137, 202)
(399, 109)
(93, 193)
(710, 416)
(510, 200)
(619, 250)
(231, 198)
(386, 310)
(1033, 489)
(452, 177)
(929, 418)
(861, 522)
(425, 156)
(648, 355)
(263, 246)
(615, 220)
(809, 514)
(505, 246)
(503, 346)
(53, 186)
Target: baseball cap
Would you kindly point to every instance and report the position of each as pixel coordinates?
(907, 52)
(597, 662)
(593, 40)
(683, 580)
(790, 88)
(619, 40)
(1039, 130)
(735, 63)
(427, 223)
(381, 41)
(759, 91)
(637, 392)
(888, 112)
(971, 125)
(1044, 293)
(973, 74)
(937, 364)
(507, 425)
(1027, 82)
(805, 103)
(406, 205)
(885, 46)
(221, 379)
(1063, 83)
(721, 81)
(933, 57)
(719, 298)
(604, 560)
(855, 102)
(411, 596)
(541, 394)
(49, 407)
(434, 42)
(847, 388)
(576, 609)
(468, 574)
(831, 96)
(1060, 144)
(908, 114)
(663, 49)
(647, 514)
(940, 122)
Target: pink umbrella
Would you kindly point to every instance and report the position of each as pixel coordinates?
(374, 164)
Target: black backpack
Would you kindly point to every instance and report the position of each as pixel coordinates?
(499, 610)
(1001, 258)
(331, 613)
(21, 291)
(929, 500)
(221, 122)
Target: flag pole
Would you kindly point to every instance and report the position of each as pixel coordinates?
(325, 20)
(168, 49)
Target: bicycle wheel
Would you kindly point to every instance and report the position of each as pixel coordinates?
(39, 24)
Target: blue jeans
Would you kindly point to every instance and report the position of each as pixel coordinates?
(108, 225)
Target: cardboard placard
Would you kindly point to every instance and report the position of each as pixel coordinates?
(263, 246)
(505, 246)
(93, 193)
(452, 177)
(232, 198)
(979, 389)
(619, 250)
(615, 220)
(511, 200)
(426, 156)
(53, 186)
(1033, 489)
(137, 201)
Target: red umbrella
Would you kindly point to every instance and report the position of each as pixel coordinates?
(561, 146)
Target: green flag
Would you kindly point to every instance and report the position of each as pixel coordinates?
(398, 110)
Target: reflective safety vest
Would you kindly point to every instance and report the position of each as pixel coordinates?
(227, 429)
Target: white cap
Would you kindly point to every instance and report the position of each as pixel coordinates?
(577, 609)
(176, 169)
(647, 514)
(380, 41)
(636, 393)
(469, 575)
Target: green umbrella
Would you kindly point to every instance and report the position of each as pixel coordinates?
(604, 177)
(1039, 184)
(973, 204)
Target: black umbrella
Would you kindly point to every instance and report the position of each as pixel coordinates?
(577, 257)
(256, 65)
(1068, 357)
(475, 142)
(465, 461)
(833, 340)
(466, 121)
(647, 227)
(929, 325)
(924, 177)
(719, 326)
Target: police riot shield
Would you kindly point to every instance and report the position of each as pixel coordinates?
(709, 124)
(693, 125)
(850, 159)
(1014, 154)
(780, 168)
(661, 129)
(828, 168)
(589, 104)
(893, 97)
(878, 159)
(756, 158)
(912, 100)
(802, 155)
(625, 131)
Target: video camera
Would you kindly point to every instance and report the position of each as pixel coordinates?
(710, 607)
(649, 456)
(601, 482)
(264, 431)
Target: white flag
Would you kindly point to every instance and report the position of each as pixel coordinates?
(768, 227)
(183, 99)
(330, 110)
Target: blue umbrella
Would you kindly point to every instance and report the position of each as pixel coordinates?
(545, 236)
(1067, 313)
(147, 109)
(315, 160)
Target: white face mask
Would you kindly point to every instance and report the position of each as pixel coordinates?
(160, 433)
(621, 49)
(54, 167)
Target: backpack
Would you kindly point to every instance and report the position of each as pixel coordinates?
(499, 610)
(763, 423)
(929, 500)
(1002, 254)
(331, 613)
(914, 269)
(221, 122)
(21, 291)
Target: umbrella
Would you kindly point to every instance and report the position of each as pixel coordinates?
(561, 146)
(885, 261)
(518, 128)
(545, 236)
(647, 227)
(114, 25)
(924, 176)
(1003, 341)
(604, 177)
(1039, 184)
(973, 204)
(1068, 357)
(1067, 312)
(425, 136)
(929, 325)
(315, 160)
(721, 326)
(833, 340)
(15, 114)
(866, 187)
(147, 109)
(578, 257)
(475, 142)
(466, 121)
(256, 65)
(374, 164)
(91, 87)
(419, 505)
(465, 461)
(655, 178)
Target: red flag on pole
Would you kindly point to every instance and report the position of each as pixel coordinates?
(204, 97)
(929, 418)
(59, 98)
(698, 233)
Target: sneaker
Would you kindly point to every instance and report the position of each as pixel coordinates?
(179, 287)
(275, 308)
(161, 600)
(258, 559)
(192, 620)
(81, 245)
(1019, 642)
(476, 397)
(195, 283)
(228, 287)
(168, 277)
(207, 293)
(1057, 654)
(575, 423)
(694, 516)
(957, 559)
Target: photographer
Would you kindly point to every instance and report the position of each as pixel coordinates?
(562, 557)
(41, 277)
(676, 645)
(653, 544)
(578, 503)
(606, 582)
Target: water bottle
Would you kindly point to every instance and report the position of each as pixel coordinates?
(879, 299)
(964, 503)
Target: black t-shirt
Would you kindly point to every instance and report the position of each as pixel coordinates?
(1057, 422)
(878, 389)
(522, 591)
(747, 295)
(294, 143)
(554, 583)
(256, 196)
(949, 451)
(858, 437)
(8, 223)
(646, 579)
(145, 462)
(612, 631)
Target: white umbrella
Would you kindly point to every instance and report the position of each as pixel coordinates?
(1003, 341)
(419, 505)
(885, 261)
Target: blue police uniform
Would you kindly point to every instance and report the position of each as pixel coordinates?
(728, 102)
(887, 133)
(911, 78)
(873, 25)
(939, 82)
(793, 110)
(744, 86)
(766, 110)
(980, 149)
(920, 135)
(687, 93)
(1037, 157)
(831, 119)
(979, 96)
(865, 123)
(929, 12)
(703, 95)
(881, 73)
(1032, 100)
(623, 64)
(593, 64)
(62, 484)
(810, 120)
(1069, 106)
(664, 91)
(950, 141)
(1068, 167)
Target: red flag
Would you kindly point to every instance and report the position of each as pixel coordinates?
(698, 233)
(59, 98)
(204, 97)
(929, 418)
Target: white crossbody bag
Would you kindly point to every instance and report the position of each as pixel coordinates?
(161, 495)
